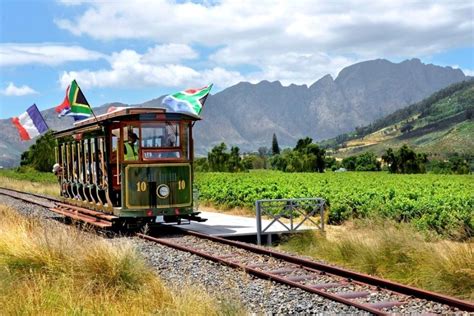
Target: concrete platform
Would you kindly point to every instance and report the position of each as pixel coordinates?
(223, 225)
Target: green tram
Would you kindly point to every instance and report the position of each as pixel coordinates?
(133, 163)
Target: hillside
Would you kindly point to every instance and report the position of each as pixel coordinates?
(440, 124)
(248, 114)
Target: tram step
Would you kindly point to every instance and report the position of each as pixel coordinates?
(87, 211)
(82, 217)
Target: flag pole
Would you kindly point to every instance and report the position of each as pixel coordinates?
(97, 121)
(90, 107)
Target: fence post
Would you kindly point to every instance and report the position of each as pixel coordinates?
(321, 207)
(291, 215)
(259, 222)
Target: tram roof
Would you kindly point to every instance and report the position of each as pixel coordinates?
(125, 113)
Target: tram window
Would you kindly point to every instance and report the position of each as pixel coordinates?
(131, 143)
(160, 135)
(162, 141)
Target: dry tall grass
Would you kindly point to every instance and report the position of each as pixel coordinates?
(51, 189)
(396, 252)
(50, 269)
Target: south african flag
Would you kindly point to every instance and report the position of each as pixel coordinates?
(190, 100)
(75, 103)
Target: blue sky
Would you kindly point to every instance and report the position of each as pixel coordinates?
(134, 51)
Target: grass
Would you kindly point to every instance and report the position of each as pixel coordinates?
(47, 268)
(29, 174)
(29, 180)
(396, 252)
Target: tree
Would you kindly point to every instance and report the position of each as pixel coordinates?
(349, 163)
(305, 157)
(248, 161)
(332, 163)
(25, 158)
(40, 155)
(218, 158)
(279, 162)
(302, 144)
(201, 164)
(367, 162)
(459, 165)
(390, 159)
(254, 161)
(405, 160)
(306, 147)
(264, 153)
(234, 163)
(275, 147)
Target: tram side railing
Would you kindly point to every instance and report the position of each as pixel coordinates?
(289, 213)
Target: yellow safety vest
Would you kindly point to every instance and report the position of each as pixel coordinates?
(131, 153)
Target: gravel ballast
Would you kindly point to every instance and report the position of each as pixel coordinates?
(28, 209)
(256, 295)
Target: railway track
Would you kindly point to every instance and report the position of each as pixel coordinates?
(365, 292)
(55, 205)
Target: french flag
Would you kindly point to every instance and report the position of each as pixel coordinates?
(30, 124)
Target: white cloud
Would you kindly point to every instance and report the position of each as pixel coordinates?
(129, 68)
(291, 41)
(169, 53)
(468, 72)
(358, 27)
(221, 77)
(289, 67)
(12, 90)
(72, 2)
(12, 54)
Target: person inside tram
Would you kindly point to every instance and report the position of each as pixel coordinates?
(131, 147)
(57, 170)
(168, 140)
(169, 136)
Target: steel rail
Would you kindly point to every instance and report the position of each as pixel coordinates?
(25, 199)
(361, 277)
(264, 274)
(69, 211)
(46, 197)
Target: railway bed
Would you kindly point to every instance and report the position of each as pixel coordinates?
(367, 293)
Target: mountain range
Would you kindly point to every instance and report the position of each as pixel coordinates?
(248, 114)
